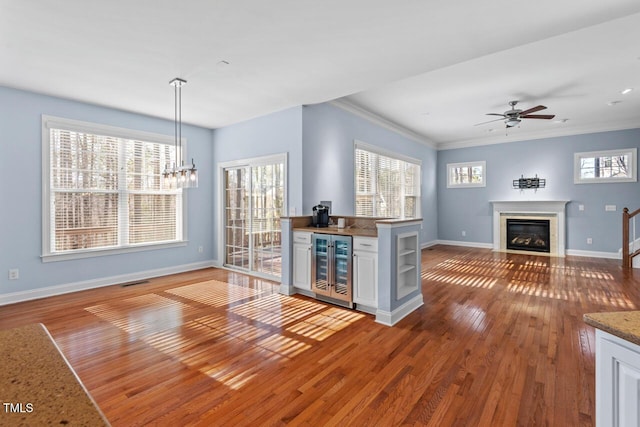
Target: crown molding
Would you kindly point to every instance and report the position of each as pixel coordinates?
(382, 122)
(552, 133)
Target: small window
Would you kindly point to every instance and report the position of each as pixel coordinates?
(605, 166)
(469, 174)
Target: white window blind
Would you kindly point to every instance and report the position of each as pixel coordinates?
(386, 186)
(105, 192)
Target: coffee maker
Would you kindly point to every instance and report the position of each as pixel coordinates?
(320, 216)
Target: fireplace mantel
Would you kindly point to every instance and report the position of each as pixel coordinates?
(555, 208)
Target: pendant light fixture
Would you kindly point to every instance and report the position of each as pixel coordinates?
(178, 175)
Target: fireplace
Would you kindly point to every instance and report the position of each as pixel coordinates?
(552, 211)
(528, 235)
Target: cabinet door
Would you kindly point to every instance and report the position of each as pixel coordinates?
(320, 279)
(365, 278)
(617, 381)
(341, 274)
(302, 266)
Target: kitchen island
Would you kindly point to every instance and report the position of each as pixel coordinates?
(386, 263)
(617, 367)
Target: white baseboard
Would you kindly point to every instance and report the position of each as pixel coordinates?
(465, 244)
(428, 244)
(50, 291)
(593, 254)
(573, 252)
(391, 318)
(287, 290)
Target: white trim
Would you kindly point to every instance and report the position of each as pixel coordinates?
(471, 164)
(52, 122)
(551, 207)
(391, 318)
(594, 254)
(348, 106)
(359, 145)
(428, 244)
(50, 291)
(572, 252)
(248, 162)
(478, 245)
(90, 253)
(554, 132)
(577, 157)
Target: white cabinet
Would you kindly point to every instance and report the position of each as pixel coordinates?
(365, 271)
(617, 381)
(302, 260)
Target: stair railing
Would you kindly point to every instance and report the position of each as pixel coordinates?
(629, 249)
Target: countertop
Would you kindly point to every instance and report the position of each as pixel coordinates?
(623, 324)
(37, 385)
(360, 232)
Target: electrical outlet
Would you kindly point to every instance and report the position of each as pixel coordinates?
(14, 274)
(589, 240)
(200, 249)
(610, 208)
(464, 233)
(580, 207)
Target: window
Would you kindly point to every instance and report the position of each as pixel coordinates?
(469, 174)
(605, 166)
(387, 185)
(102, 190)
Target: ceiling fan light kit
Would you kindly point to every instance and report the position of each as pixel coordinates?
(514, 116)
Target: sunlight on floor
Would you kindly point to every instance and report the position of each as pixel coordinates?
(542, 278)
(214, 293)
(245, 323)
(143, 314)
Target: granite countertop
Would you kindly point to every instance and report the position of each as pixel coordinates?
(360, 232)
(623, 324)
(37, 384)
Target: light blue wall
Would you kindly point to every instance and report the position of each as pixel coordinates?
(328, 161)
(21, 195)
(552, 159)
(275, 133)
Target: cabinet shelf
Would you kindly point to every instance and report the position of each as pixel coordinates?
(406, 267)
(404, 252)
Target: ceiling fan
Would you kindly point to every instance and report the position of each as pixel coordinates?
(514, 116)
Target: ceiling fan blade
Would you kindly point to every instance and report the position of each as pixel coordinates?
(490, 121)
(495, 114)
(533, 110)
(538, 116)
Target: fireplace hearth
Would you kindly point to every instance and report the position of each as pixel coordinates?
(528, 235)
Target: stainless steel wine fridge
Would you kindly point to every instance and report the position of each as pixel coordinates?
(331, 266)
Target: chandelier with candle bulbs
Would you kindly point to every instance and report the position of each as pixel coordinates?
(179, 175)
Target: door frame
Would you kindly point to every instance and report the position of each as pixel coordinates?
(248, 162)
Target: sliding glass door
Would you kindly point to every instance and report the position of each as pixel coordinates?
(253, 204)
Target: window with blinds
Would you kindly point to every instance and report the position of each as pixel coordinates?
(105, 191)
(386, 185)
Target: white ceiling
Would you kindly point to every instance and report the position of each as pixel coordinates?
(433, 67)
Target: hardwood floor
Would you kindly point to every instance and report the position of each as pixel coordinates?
(500, 341)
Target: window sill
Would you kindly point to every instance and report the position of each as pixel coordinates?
(91, 253)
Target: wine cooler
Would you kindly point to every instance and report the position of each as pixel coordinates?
(331, 266)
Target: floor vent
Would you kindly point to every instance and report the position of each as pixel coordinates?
(139, 282)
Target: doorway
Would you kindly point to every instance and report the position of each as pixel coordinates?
(254, 201)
